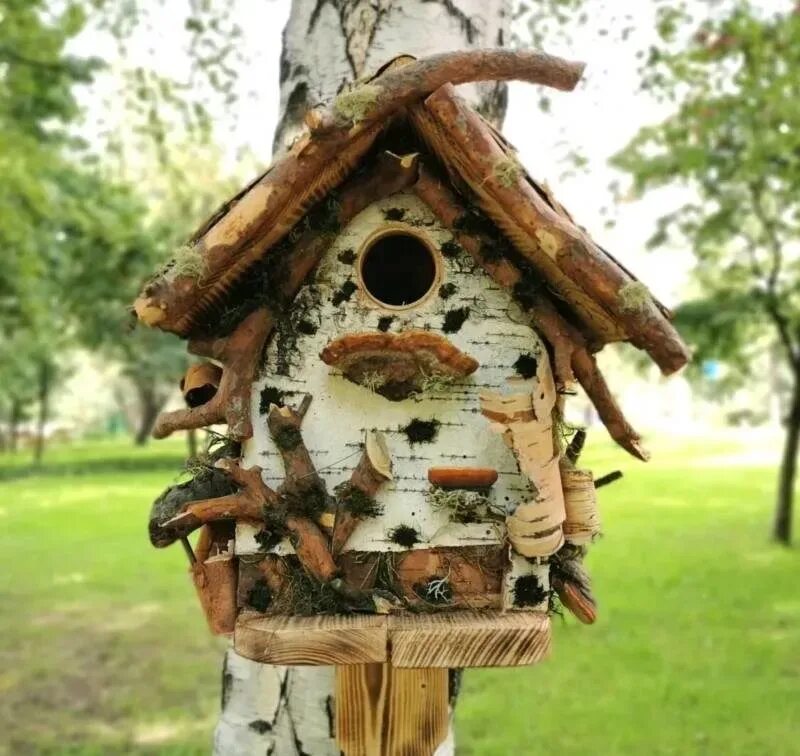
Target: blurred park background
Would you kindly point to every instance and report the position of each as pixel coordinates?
(122, 124)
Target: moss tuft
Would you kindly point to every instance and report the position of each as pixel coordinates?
(355, 501)
(447, 290)
(404, 535)
(270, 395)
(356, 104)
(528, 591)
(634, 295)
(526, 365)
(260, 596)
(421, 431)
(267, 539)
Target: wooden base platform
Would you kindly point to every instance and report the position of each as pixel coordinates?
(453, 639)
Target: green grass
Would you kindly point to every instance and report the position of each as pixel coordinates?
(103, 649)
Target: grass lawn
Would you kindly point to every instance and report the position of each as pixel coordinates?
(697, 650)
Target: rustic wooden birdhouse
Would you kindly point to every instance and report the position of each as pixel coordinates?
(398, 312)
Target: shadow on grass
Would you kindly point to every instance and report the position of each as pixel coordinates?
(93, 467)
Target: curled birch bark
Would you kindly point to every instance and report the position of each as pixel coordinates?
(582, 521)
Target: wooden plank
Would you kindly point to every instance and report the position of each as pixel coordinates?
(469, 639)
(386, 711)
(323, 640)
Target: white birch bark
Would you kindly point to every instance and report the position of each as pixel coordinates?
(326, 44)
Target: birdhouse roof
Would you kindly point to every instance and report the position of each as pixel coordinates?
(463, 168)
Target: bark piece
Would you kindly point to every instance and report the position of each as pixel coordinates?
(582, 523)
(384, 710)
(215, 582)
(323, 640)
(525, 420)
(240, 353)
(572, 357)
(592, 282)
(469, 639)
(200, 383)
(462, 477)
(373, 469)
(397, 365)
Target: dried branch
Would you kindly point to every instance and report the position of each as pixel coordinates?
(605, 295)
(405, 80)
(373, 469)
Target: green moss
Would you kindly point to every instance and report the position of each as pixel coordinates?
(633, 296)
(356, 104)
(356, 502)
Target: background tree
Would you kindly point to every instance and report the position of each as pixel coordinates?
(734, 138)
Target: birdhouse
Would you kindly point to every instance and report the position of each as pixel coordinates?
(392, 316)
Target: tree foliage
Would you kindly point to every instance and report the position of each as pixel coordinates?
(733, 141)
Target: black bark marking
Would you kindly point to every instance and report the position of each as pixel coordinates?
(385, 323)
(454, 319)
(261, 726)
(270, 395)
(346, 291)
(465, 22)
(346, 256)
(394, 213)
(306, 327)
(330, 711)
(227, 684)
(526, 365)
(447, 290)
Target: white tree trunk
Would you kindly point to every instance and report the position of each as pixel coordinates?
(327, 44)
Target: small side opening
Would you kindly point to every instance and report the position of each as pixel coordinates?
(398, 269)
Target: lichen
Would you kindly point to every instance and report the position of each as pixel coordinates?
(435, 590)
(507, 171)
(187, 261)
(633, 296)
(355, 105)
(435, 383)
(463, 505)
(372, 380)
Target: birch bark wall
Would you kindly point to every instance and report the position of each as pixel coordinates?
(326, 44)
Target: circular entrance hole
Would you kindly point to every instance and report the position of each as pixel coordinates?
(398, 269)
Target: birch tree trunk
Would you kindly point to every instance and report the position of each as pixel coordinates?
(326, 45)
